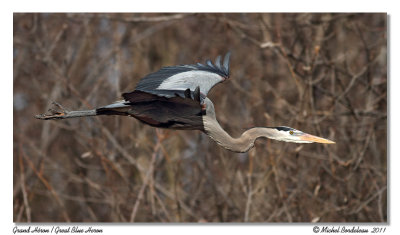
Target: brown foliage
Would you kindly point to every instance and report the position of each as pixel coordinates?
(324, 74)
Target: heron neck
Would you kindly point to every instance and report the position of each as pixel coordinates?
(242, 144)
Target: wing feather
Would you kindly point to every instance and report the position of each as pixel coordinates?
(226, 62)
(182, 77)
(218, 62)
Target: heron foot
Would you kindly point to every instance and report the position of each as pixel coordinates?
(53, 113)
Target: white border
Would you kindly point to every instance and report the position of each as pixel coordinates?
(195, 6)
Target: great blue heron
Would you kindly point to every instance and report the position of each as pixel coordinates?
(176, 97)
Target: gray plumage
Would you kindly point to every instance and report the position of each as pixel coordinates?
(183, 77)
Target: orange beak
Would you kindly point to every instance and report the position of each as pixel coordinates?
(316, 139)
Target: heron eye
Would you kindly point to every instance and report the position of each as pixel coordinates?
(291, 132)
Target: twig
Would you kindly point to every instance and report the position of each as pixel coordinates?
(249, 187)
(49, 187)
(146, 181)
(172, 197)
(138, 19)
(163, 207)
(366, 202)
(23, 187)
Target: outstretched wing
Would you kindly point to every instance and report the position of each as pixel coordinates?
(182, 111)
(182, 77)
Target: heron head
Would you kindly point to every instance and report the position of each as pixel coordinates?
(289, 134)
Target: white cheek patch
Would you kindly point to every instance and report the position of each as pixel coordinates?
(285, 136)
(191, 79)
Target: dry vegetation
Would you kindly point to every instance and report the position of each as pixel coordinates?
(325, 74)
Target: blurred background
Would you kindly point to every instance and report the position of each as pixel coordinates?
(324, 74)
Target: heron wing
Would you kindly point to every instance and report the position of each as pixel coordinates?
(180, 111)
(182, 77)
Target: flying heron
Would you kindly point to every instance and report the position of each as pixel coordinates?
(175, 97)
